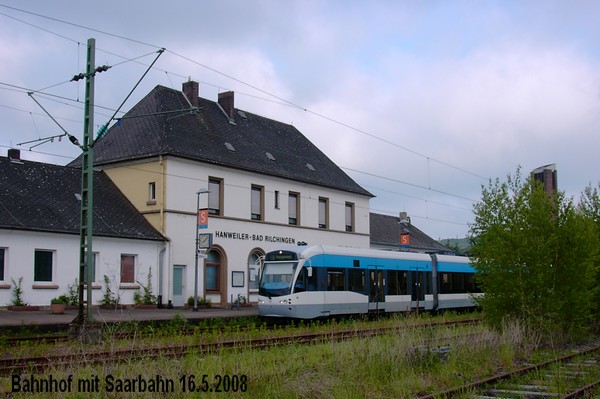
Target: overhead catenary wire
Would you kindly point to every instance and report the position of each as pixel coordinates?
(279, 100)
(254, 87)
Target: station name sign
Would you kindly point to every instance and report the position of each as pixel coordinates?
(254, 237)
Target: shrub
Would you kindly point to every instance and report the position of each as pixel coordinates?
(17, 293)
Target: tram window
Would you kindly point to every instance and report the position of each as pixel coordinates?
(454, 283)
(428, 276)
(445, 283)
(397, 282)
(458, 283)
(312, 281)
(470, 285)
(336, 280)
(300, 285)
(356, 279)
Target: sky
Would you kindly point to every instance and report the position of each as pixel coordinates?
(420, 102)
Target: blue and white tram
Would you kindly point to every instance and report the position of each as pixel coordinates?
(322, 281)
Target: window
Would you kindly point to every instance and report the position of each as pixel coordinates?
(470, 283)
(93, 269)
(152, 193)
(336, 280)
(256, 203)
(2, 251)
(276, 199)
(254, 271)
(356, 279)
(293, 208)
(43, 265)
(212, 272)
(300, 285)
(397, 282)
(349, 216)
(214, 196)
(127, 268)
(323, 212)
(453, 283)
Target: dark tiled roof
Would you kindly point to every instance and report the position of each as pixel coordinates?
(385, 232)
(151, 129)
(41, 197)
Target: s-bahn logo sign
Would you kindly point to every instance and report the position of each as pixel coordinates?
(405, 239)
(254, 237)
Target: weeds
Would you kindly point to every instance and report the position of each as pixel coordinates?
(400, 364)
(17, 293)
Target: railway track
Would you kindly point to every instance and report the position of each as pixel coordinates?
(59, 338)
(576, 375)
(17, 365)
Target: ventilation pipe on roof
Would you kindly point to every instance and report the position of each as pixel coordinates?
(191, 91)
(226, 102)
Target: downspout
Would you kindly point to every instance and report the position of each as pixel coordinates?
(161, 255)
(161, 267)
(163, 168)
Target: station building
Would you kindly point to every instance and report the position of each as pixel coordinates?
(40, 207)
(263, 185)
(176, 162)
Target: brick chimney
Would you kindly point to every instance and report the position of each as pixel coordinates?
(190, 90)
(14, 154)
(226, 102)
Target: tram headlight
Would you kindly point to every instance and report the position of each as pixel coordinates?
(285, 301)
(260, 301)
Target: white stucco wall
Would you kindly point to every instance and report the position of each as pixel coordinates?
(235, 234)
(20, 247)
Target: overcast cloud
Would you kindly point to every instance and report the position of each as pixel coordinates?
(419, 102)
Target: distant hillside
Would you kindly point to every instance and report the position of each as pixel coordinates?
(460, 246)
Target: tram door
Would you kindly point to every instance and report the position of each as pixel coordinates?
(417, 294)
(376, 288)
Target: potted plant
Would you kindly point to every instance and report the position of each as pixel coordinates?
(58, 304)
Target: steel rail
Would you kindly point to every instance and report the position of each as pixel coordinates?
(39, 363)
(503, 376)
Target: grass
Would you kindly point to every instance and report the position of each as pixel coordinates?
(401, 365)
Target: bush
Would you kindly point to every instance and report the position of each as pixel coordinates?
(17, 292)
(146, 297)
(108, 299)
(201, 301)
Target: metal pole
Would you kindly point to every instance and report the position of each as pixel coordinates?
(87, 184)
(196, 255)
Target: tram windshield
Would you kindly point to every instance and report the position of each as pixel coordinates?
(276, 278)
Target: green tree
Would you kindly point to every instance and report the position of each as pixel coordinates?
(589, 207)
(534, 257)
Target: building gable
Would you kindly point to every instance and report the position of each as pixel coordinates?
(165, 123)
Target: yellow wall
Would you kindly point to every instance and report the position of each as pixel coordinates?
(133, 180)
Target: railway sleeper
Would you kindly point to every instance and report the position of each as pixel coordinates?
(539, 388)
(522, 394)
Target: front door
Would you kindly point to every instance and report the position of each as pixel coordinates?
(178, 285)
